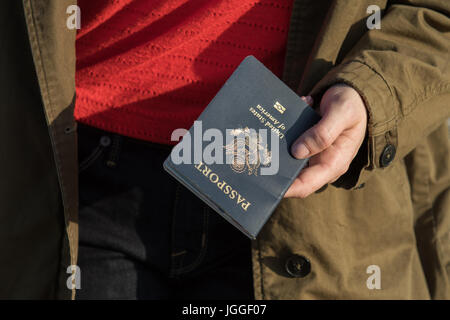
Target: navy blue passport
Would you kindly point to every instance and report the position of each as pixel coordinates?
(236, 157)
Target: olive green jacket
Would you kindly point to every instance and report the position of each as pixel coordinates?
(388, 217)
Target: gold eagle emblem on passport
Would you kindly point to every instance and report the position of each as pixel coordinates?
(279, 107)
(249, 151)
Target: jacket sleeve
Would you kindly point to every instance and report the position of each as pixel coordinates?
(402, 73)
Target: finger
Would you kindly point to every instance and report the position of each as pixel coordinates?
(320, 136)
(308, 99)
(310, 180)
(323, 168)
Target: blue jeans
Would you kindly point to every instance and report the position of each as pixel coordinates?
(144, 236)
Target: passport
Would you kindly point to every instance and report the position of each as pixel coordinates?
(236, 157)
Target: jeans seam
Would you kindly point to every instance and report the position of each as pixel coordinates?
(201, 255)
(89, 160)
(174, 213)
(113, 155)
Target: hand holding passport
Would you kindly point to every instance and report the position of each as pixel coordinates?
(252, 99)
(237, 157)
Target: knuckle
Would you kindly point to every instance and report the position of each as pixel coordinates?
(302, 194)
(322, 137)
(337, 167)
(344, 169)
(335, 162)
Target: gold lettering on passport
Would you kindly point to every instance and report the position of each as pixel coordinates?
(271, 122)
(223, 186)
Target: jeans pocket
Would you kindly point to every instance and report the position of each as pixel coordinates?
(97, 152)
(89, 160)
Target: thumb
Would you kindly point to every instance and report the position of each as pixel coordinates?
(321, 135)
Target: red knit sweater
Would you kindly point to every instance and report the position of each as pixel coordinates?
(147, 67)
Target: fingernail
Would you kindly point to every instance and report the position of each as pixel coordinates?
(300, 151)
(309, 100)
